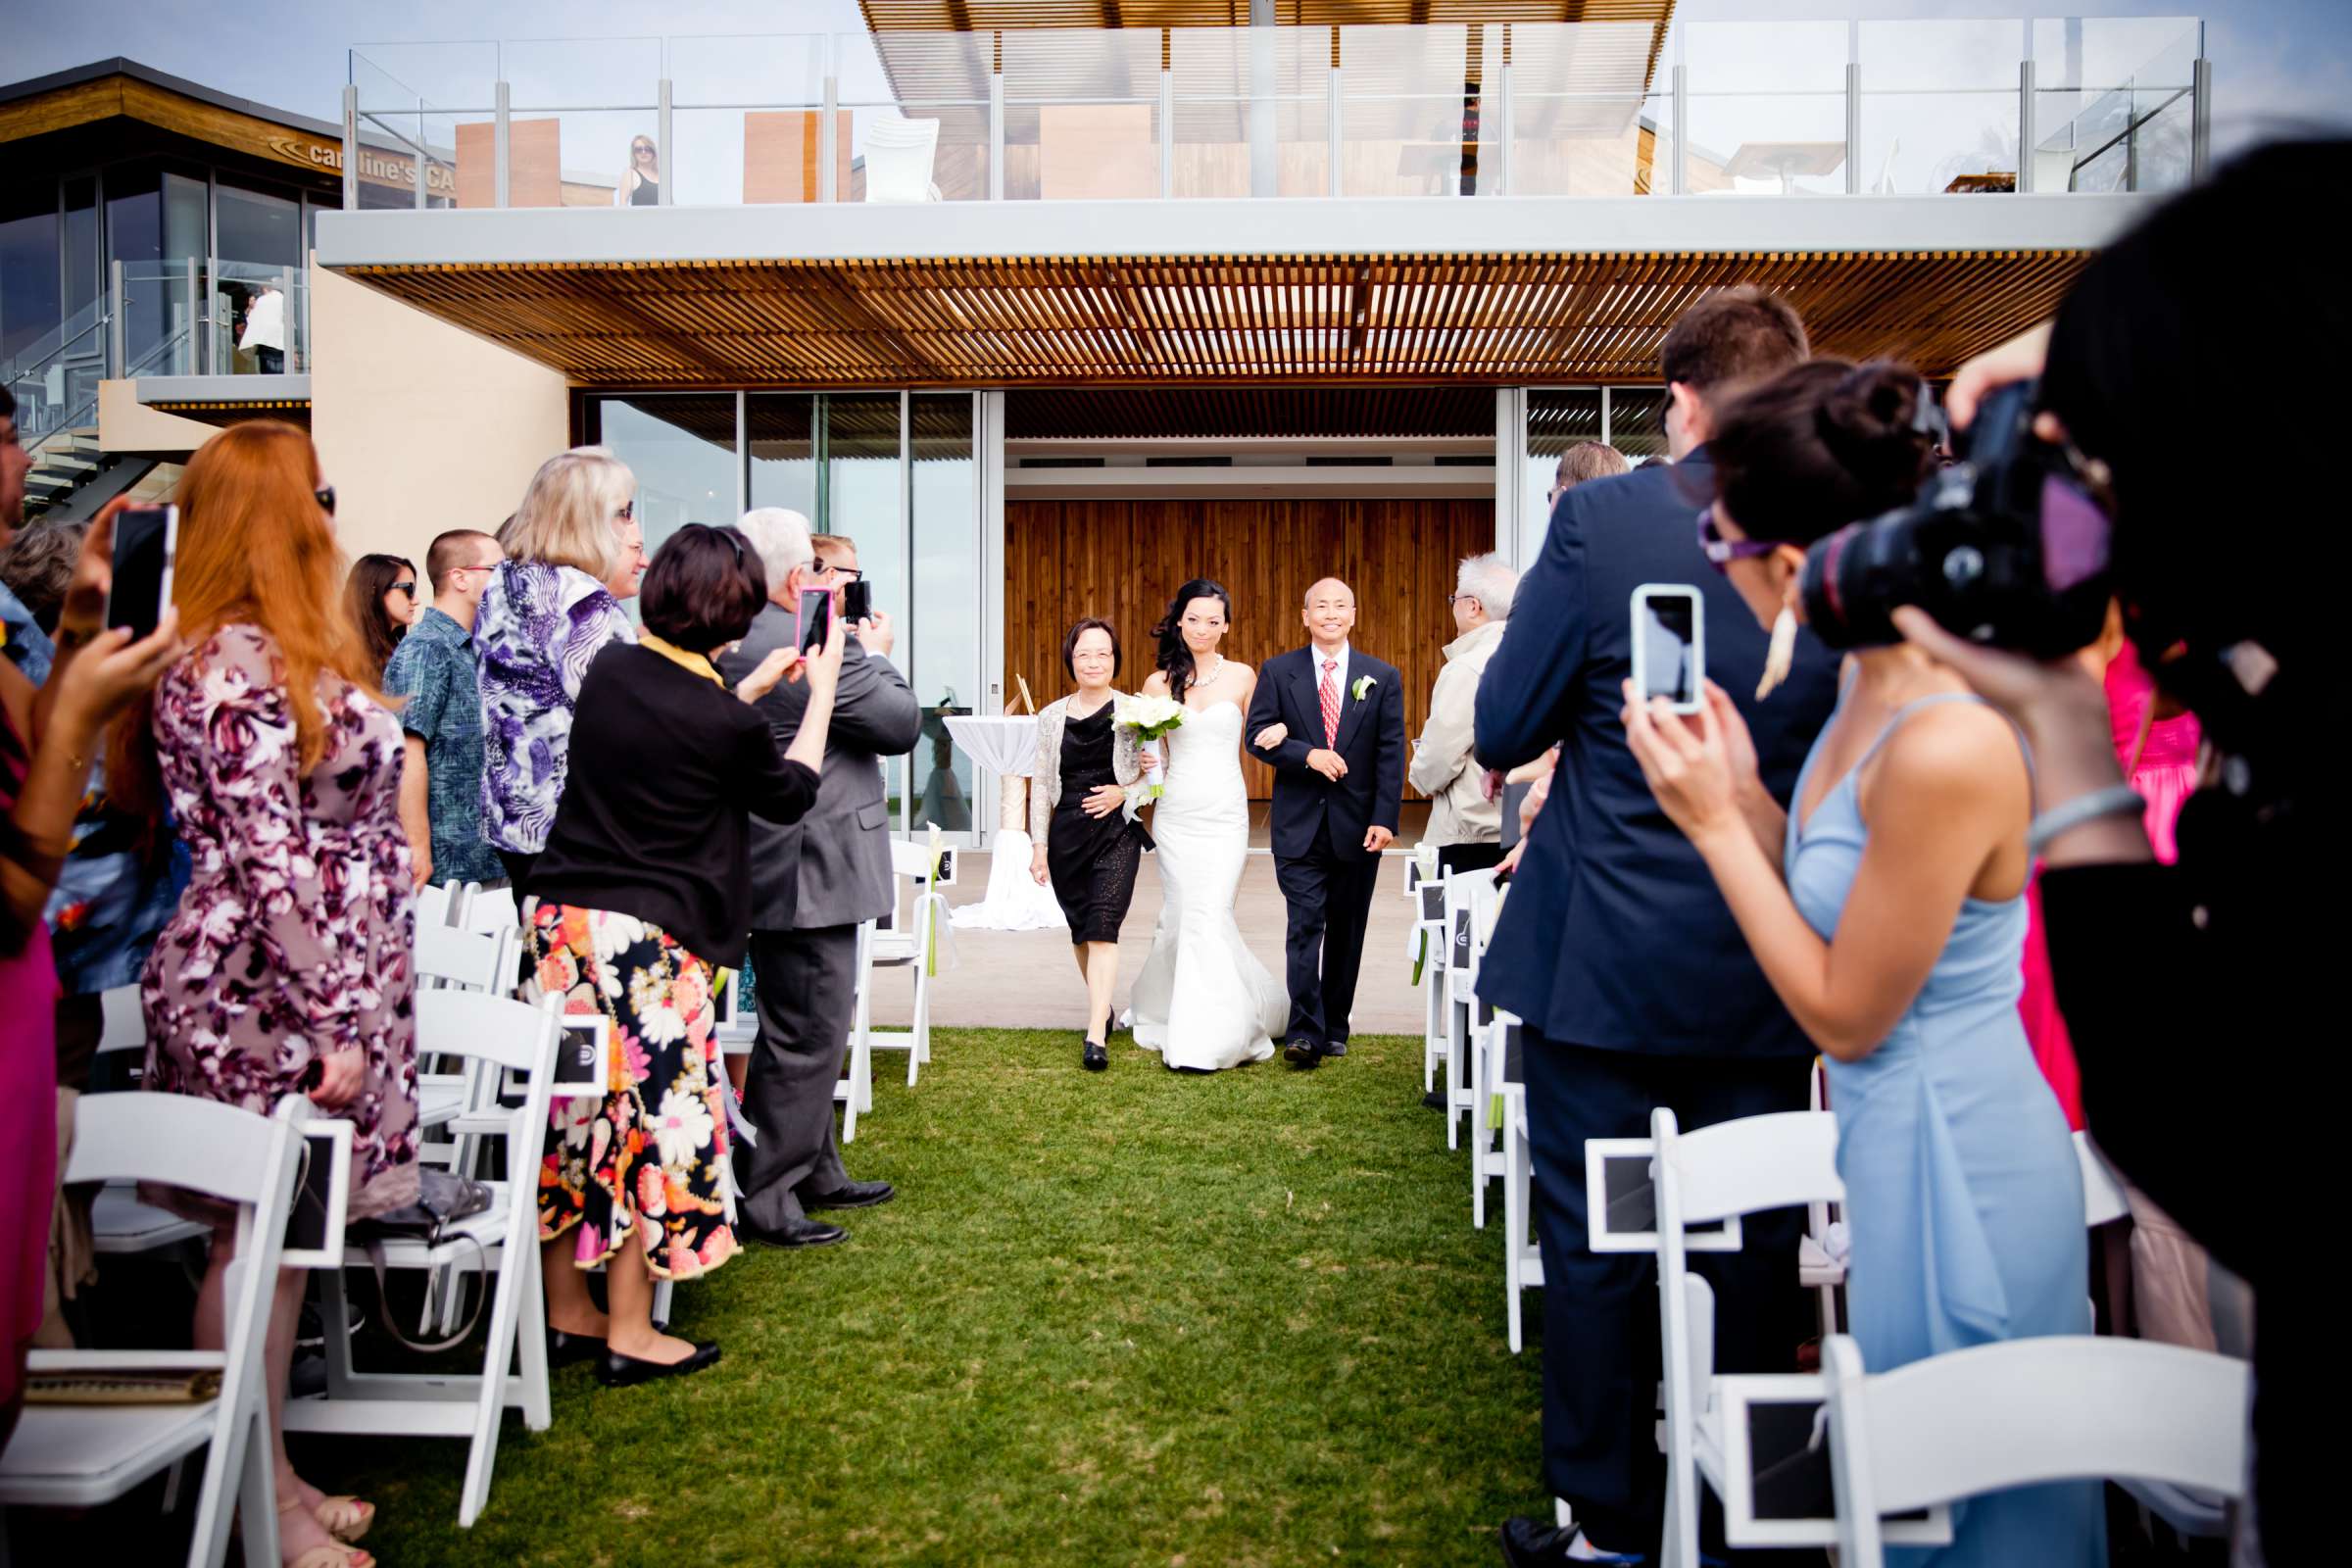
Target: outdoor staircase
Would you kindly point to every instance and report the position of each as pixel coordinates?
(71, 478)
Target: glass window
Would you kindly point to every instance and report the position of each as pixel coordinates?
(1556, 420)
(681, 449)
(84, 278)
(944, 659)
(31, 302)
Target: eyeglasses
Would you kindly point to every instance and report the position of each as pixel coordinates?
(1721, 552)
(1455, 599)
(324, 494)
(409, 588)
(642, 150)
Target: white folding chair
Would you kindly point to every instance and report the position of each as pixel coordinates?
(853, 1091)
(1712, 1176)
(1429, 949)
(1522, 1254)
(2071, 1407)
(88, 1456)
(911, 943)
(1487, 1045)
(1460, 1006)
(1820, 1264)
(899, 157)
(119, 1224)
(511, 1040)
(491, 910)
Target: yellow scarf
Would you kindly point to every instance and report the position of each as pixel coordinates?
(679, 657)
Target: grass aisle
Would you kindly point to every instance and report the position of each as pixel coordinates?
(1137, 1317)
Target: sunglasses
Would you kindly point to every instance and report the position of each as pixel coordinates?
(409, 588)
(642, 150)
(1721, 552)
(324, 494)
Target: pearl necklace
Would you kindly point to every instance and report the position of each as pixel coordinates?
(1200, 679)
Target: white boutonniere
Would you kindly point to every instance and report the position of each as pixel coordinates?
(1363, 684)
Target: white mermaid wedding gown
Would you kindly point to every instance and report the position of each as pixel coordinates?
(1204, 1002)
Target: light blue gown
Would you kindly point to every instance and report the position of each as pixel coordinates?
(1964, 1200)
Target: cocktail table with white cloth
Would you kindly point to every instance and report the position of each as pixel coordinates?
(1005, 744)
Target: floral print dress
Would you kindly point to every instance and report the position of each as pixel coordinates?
(292, 942)
(655, 1148)
(539, 628)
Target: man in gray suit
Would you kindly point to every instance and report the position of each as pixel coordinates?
(813, 883)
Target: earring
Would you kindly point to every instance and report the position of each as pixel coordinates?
(1781, 655)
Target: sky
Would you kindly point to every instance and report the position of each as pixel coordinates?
(2276, 61)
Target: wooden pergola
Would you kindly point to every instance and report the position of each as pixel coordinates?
(1426, 319)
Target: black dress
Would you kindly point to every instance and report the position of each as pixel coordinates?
(1092, 859)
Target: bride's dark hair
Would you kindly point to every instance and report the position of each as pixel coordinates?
(1174, 657)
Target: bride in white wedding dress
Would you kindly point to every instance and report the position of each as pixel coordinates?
(1204, 1002)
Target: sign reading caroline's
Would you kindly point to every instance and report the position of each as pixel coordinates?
(377, 167)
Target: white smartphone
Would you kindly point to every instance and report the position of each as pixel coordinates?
(146, 543)
(1670, 645)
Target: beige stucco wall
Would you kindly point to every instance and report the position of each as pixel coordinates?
(125, 424)
(421, 426)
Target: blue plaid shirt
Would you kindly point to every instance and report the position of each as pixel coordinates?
(433, 669)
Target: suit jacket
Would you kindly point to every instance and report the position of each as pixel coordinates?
(831, 867)
(1044, 785)
(1371, 741)
(1614, 935)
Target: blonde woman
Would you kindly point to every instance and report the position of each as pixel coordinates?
(574, 553)
(1087, 847)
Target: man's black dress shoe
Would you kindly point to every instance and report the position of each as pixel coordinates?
(1335, 1048)
(1533, 1543)
(1096, 1056)
(1434, 1100)
(857, 1194)
(1301, 1052)
(797, 1233)
(618, 1371)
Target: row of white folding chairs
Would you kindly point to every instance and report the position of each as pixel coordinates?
(910, 942)
(1717, 1174)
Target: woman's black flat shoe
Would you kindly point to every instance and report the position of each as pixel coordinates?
(1098, 1056)
(563, 1349)
(618, 1371)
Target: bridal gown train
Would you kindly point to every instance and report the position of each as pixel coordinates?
(1204, 1002)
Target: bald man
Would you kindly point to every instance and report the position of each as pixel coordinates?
(1333, 721)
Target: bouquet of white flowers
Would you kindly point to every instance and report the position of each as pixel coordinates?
(1151, 718)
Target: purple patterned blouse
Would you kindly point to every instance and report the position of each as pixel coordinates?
(538, 628)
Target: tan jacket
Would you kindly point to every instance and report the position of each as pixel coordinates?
(1044, 785)
(1442, 767)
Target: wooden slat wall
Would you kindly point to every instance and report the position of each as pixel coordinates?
(1121, 561)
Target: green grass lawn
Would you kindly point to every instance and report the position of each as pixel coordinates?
(1135, 1317)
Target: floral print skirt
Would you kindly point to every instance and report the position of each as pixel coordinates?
(654, 1151)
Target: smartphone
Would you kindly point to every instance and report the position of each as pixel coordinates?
(816, 617)
(146, 542)
(1670, 645)
(858, 601)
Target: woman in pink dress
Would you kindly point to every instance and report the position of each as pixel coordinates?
(96, 674)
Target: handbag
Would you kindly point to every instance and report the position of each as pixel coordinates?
(443, 1199)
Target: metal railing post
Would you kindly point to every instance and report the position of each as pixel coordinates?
(292, 360)
(351, 147)
(502, 135)
(200, 320)
(2027, 143)
(1265, 173)
(423, 157)
(1854, 127)
(996, 135)
(1681, 123)
(1502, 129)
(1333, 129)
(2200, 112)
(116, 323)
(1167, 133)
(828, 134)
(669, 148)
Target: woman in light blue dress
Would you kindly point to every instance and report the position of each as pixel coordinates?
(1887, 906)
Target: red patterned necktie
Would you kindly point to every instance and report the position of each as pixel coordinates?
(1331, 702)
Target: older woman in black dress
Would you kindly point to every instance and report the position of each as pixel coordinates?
(1086, 845)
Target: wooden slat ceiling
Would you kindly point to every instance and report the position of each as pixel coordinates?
(979, 322)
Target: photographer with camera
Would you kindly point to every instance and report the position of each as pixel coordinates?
(1887, 906)
(2161, 968)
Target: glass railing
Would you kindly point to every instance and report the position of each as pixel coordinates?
(1444, 110)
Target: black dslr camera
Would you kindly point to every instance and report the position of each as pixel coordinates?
(2006, 547)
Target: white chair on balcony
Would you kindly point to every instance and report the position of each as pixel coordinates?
(88, 1456)
(899, 158)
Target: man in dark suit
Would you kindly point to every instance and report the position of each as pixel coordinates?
(1339, 782)
(813, 883)
(1633, 982)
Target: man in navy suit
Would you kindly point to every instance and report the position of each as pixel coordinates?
(1635, 987)
(1339, 783)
